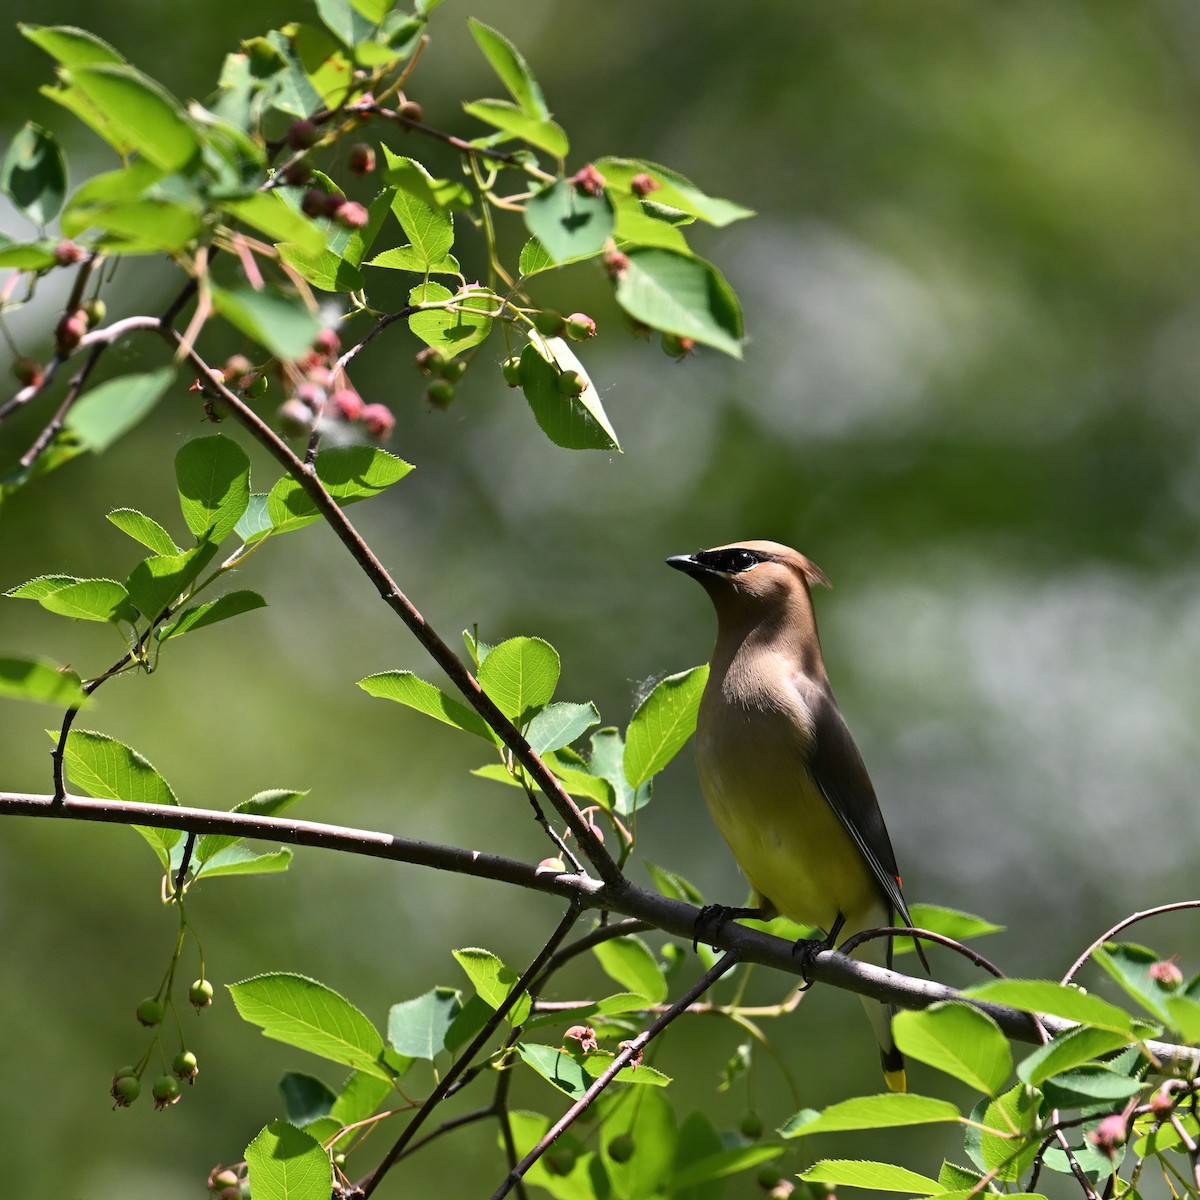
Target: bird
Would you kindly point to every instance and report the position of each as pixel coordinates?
(778, 768)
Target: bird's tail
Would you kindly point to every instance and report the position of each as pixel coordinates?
(878, 951)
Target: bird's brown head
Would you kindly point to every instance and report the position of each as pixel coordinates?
(758, 585)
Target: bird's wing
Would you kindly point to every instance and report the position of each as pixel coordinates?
(838, 769)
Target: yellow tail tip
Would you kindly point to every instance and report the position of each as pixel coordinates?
(897, 1081)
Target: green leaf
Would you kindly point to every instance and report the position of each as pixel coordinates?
(1042, 996)
(143, 529)
(406, 258)
(673, 190)
(40, 680)
(240, 860)
(540, 132)
(958, 1039)
(142, 113)
(559, 725)
(891, 1111)
(520, 676)
(345, 21)
(662, 724)
(256, 521)
(636, 226)
(449, 328)
(305, 1098)
(43, 585)
(348, 473)
(573, 422)
(110, 411)
(722, 1164)
(285, 1163)
(213, 478)
(511, 68)
(406, 688)
(232, 604)
(1004, 1143)
(493, 981)
(430, 230)
(361, 1095)
(411, 177)
(109, 770)
(146, 226)
(673, 885)
(304, 1013)
(1088, 1084)
(608, 762)
(270, 214)
(648, 1122)
(417, 1028)
(34, 173)
(1067, 1050)
(569, 224)
(874, 1176)
(572, 772)
(280, 323)
(1130, 965)
(335, 267)
(574, 1076)
(27, 256)
(682, 295)
(631, 963)
(91, 600)
(158, 581)
(1184, 1014)
(535, 259)
(947, 921)
(262, 804)
(71, 46)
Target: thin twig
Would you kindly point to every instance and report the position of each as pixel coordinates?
(632, 1050)
(1131, 920)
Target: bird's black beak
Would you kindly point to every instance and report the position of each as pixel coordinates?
(687, 564)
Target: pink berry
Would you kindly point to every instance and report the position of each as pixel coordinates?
(361, 160)
(352, 215)
(580, 327)
(588, 180)
(348, 403)
(302, 134)
(67, 252)
(643, 184)
(379, 420)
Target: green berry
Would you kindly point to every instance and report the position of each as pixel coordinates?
(95, 311)
(151, 1011)
(200, 994)
(430, 361)
(677, 346)
(454, 370)
(125, 1089)
(512, 372)
(751, 1126)
(165, 1091)
(184, 1064)
(549, 323)
(769, 1176)
(580, 327)
(440, 393)
(257, 386)
(570, 383)
(621, 1148)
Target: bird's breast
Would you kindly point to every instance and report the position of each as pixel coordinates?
(754, 745)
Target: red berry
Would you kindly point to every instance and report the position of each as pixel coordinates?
(312, 396)
(580, 327)
(352, 215)
(28, 372)
(1110, 1134)
(328, 343)
(71, 329)
(643, 184)
(67, 253)
(588, 180)
(361, 159)
(332, 205)
(298, 172)
(615, 263)
(1166, 973)
(312, 203)
(379, 420)
(303, 134)
(348, 403)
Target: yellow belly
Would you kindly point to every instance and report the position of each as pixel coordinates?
(786, 838)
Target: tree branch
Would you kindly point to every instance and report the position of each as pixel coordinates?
(674, 917)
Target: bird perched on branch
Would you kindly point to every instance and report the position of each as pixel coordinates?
(782, 777)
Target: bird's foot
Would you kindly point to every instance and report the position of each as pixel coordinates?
(807, 949)
(713, 916)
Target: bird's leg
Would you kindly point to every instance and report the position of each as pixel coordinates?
(808, 948)
(713, 916)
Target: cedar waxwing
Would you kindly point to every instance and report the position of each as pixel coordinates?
(778, 768)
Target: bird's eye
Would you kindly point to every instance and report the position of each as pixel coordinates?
(730, 562)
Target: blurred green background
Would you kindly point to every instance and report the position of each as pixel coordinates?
(969, 393)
